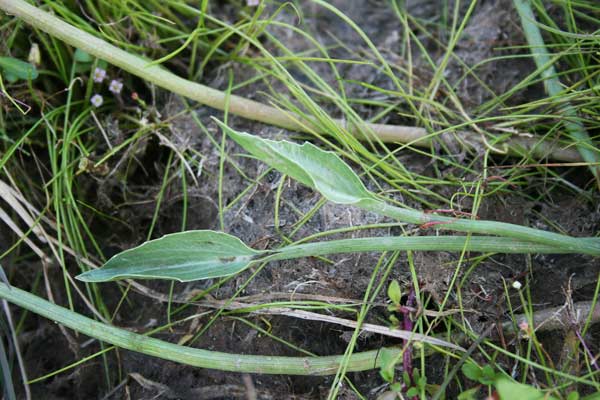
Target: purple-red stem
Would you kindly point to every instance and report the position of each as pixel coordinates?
(587, 350)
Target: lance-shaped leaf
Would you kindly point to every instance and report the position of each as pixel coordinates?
(321, 170)
(184, 256)
(17, 68)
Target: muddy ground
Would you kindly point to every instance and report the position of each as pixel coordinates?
(252, 219)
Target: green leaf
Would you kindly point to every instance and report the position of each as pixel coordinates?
(184, 256)
(387, 365)
(412, 392)
(17, 68)
(406, 378)
(394, 293)
(471, 371)
(81, 68)
(396, 387)
(321, 170)
(83, 57)
(573, 396)
(595, 396)
(488, 376)
(470, 394)
(10, 77)
(102, 64)
(510, 390)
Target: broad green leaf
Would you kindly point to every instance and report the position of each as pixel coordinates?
(83, 57)
(396, 387)
(510, 390)
(184, 256)
(81, 68)
(388, 363)
(394, 292)
(471, 371)
(321, 170)
(102, 64)
(17, 68)
(470, 394)
(488, 376)
(10, 77)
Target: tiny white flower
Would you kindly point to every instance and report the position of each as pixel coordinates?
(144, 121)
(99, 75)
(517, 285)
(115, 86)
(97, 100)
(35, 56)
(252, 3)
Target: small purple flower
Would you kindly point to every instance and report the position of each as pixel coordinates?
(252, 3)
(115, 86)
(99, 75)
(96, 100)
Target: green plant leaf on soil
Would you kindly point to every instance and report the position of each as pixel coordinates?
(10, 78)
(394, 292)
(573, 396)
(488, 376)
(183, 256)
(83, 57)
(204, 254)
(388, 363)
(321, 170)
(470, 394)
(508, 390)
(13, 67)
(471, 371)
(325, 172)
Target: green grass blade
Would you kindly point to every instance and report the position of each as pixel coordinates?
(553, 87)
(238, 105)
(6, 372)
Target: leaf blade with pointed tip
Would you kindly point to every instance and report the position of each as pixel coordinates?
(321, 170)
(18, 68)
(184, 256)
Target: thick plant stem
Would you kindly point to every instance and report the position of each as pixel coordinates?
(488, 244)
(553, 87)
(194, 255)
(560, 243)
(187, 355)
(248, 108)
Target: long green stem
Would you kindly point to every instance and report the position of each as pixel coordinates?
(553, 87)
(415, 243)
(187, 355)
(194, 255)
(559, 243)
(241, 106)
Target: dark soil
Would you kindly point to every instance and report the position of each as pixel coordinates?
(252, 219)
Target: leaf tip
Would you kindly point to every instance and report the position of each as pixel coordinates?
(88, 276)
